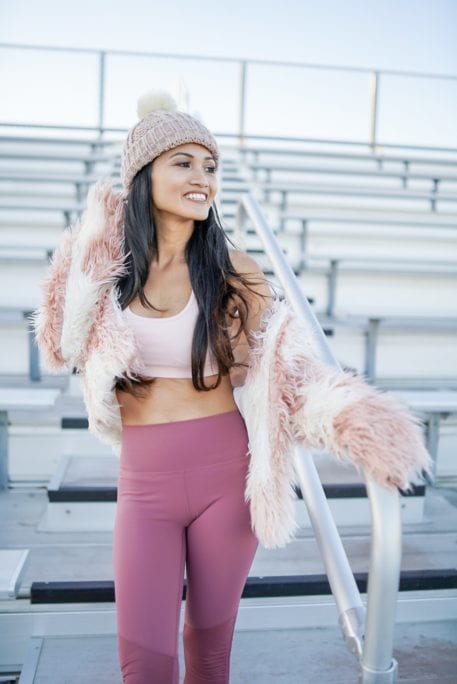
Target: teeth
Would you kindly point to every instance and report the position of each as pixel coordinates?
(196, 196)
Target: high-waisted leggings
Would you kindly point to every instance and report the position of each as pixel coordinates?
(180, 503)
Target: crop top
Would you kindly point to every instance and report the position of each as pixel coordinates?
(165, 344)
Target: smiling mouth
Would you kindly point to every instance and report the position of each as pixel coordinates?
(200, 200)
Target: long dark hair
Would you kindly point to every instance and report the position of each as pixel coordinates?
(214, 280)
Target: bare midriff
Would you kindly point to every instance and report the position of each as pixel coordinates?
(173, 399)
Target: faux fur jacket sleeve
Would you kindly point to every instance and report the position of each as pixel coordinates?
(47, 319)
(290, 397)
(86, 263)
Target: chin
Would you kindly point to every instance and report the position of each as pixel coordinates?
(199, 214)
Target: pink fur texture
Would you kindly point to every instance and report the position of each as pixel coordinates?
(383, 438)
(271, 474)
(281, 405)
(110, 334)
(322, 407)
(47, 318)
(373, 429)
(104, 258)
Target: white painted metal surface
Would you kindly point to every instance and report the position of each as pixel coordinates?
(12, 563)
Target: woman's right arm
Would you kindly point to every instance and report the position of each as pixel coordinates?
(88, 260)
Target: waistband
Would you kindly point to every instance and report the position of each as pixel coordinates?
(183, 444)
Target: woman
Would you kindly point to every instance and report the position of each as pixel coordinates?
(202, 382)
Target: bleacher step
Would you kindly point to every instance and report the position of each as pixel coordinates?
(82, 496)
(263, 587)
(290, 656)
(427, 557)
(87, 556)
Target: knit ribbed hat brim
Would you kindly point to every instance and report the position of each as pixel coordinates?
(158, 132)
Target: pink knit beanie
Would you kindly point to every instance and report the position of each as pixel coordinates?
(161, 127)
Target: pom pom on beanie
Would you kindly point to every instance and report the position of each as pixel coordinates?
(154, 101)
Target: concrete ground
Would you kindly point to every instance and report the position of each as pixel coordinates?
(426, 653)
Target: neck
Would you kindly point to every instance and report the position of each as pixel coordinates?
(172, 237)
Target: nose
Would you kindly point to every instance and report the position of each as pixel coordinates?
(200, 178)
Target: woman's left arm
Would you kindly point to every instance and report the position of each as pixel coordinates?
(333, 409)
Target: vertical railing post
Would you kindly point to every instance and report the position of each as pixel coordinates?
(342, 583)
(374, 96)
(3, 449)
(432, 439)
(242, 112)
(332, 277)
(34, 359)
(378, 666)
(101, 93)
(371, 345)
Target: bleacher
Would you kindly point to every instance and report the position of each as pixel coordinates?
(372, 238)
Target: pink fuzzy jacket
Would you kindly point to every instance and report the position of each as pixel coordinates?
(289, 396)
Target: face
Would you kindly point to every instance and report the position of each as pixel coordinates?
(187, 169)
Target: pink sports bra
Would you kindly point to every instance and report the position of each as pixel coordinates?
(165, 343)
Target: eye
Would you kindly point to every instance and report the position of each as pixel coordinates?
(211, 169)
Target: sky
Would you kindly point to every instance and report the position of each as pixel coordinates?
(411, 35)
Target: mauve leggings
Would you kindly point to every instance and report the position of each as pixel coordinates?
(180, 500)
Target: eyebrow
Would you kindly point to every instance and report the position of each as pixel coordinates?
(186, 154)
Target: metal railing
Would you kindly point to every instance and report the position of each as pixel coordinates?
(368, 635)
(245, 68)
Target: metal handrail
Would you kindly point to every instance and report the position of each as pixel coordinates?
(370, 639)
